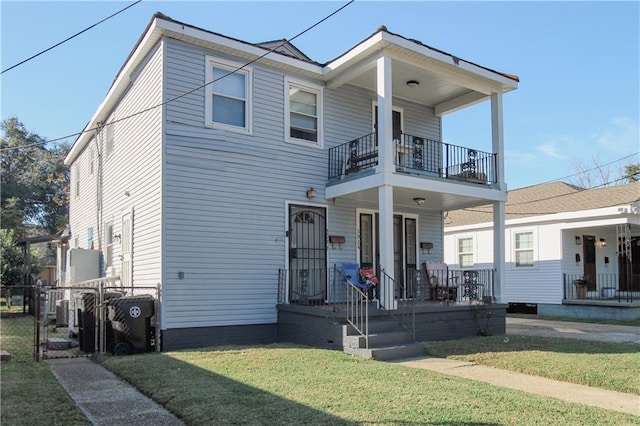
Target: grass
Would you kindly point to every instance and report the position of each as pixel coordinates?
(634, 323)
(30, 394)
(612, 366)
(286, 384)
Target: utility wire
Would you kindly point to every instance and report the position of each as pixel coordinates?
(590, 170)
(69, 38)
(188, 92)
(550, 198)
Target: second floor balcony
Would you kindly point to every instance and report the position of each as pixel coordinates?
(415, 155)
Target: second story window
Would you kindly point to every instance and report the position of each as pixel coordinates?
(303, 113)
(228, 103)
(465, 252)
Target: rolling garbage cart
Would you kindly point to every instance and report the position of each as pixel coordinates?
(87, 306)
(130, 319)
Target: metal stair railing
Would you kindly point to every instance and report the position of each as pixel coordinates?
(405, 314)
(357, 308)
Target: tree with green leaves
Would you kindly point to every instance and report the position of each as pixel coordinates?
(34, 196)
(34, 180)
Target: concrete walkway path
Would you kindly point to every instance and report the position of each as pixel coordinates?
(579, 394)
(106, 399)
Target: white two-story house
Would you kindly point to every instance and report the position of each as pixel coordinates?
(240, 176)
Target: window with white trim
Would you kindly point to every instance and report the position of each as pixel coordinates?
(465, 252)
(228, 95)
(303, 113)
(108, 236)
(523, 249)
(108, 144)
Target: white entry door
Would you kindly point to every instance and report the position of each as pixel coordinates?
(126, 242)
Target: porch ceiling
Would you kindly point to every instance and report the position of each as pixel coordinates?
(434, 201)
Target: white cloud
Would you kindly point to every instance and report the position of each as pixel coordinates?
(551, 150)
(622, 135)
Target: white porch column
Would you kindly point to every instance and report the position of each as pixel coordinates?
(385, 115)
(499, 250)
(385, 166)
(385, 206)
(497, 136)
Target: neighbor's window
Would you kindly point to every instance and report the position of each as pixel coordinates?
(524, 248)
(303, 112)
(465, 252)
(228, 93)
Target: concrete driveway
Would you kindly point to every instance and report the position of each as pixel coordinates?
(574, 330)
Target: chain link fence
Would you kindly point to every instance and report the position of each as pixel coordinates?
(82, 320)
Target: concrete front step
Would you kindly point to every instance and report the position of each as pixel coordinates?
(387, 340)
(408, 350)
(380, 339)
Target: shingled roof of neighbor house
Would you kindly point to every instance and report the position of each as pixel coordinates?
(549, 198)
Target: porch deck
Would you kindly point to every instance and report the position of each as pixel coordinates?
(321, 325)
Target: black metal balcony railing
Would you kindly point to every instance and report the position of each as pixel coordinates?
(600, 287)
(414, 154)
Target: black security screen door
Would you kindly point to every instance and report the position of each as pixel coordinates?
(307, 255)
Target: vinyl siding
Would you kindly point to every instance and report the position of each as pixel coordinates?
(226, 193)
(134, 138)
(225, 201)
(541, 283)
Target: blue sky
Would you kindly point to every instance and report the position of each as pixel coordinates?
(578, 63)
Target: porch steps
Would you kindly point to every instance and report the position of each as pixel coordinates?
(387, 341)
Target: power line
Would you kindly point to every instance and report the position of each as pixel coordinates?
(550, 198)
(190, 91)
(590, 170)
(71, 37)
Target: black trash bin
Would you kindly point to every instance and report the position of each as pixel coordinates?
(87, 309)
(130, 318)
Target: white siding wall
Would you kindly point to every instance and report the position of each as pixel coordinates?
(133, 167)
(541, 283)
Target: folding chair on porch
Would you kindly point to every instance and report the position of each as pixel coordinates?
(363, 279)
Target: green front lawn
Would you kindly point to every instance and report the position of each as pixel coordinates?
(613, 366)
(285, 384)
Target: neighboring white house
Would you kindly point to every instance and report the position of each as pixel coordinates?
(236, 180)
(555, 234)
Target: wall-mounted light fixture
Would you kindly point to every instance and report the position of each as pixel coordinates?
(311, 192)
(419, 200)
(413, 83)
(606, 260)
(578, 240)
(117, 237)
(180, 275)
(602, 242)
(577, 257)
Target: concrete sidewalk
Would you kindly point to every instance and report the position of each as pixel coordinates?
(106, 399)
(578, 394)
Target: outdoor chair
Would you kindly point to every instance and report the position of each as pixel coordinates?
(442, 286)
(363, 279)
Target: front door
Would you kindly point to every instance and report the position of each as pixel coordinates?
(404, 248)
(307, 255)
(589, 256)
(126, 243)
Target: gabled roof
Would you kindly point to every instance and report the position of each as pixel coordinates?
(285, 47)
(547, 199)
